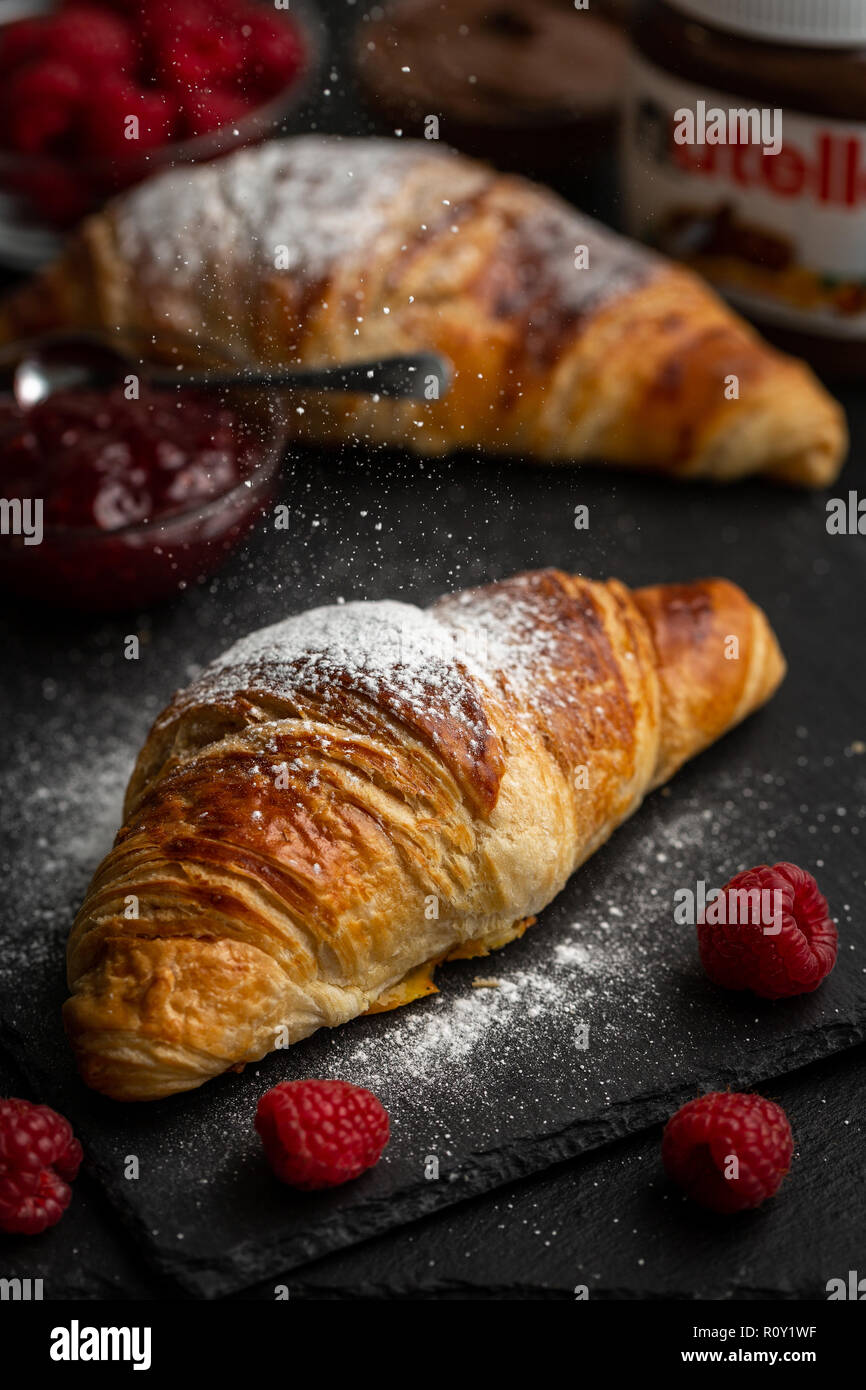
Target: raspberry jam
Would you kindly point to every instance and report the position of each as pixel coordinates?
(135, 498)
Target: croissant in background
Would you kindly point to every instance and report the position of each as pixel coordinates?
(296, 811)
(569, 342)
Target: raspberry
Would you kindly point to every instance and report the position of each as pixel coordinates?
(41, 99)
(90, 39)
(105, 117)
(729, 1152)
(39, 1157)
(163, 22)
(792, 957)
(30, 1203)
(21, 42)
(273, 47)
(34, 1137)
(199, 56)
(165, 17)
(321, 1133)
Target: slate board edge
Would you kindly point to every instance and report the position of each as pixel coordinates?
(234, 1273)
(454, 1291)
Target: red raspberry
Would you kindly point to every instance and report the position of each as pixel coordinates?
(21, 42)
(728, 1152)
(274, 50)
(105, 117)
(39, 1157)
(163, 22)
(41, 100)
(773, 954)
(35, 1136)
(166, 17)
(31, 1202)
(199, 56)
(321, 1133)
(90, 39)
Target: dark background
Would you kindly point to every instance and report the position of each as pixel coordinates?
(788, 785)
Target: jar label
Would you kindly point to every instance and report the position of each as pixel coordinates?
(783, 235)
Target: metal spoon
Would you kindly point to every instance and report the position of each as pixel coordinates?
(83, 361)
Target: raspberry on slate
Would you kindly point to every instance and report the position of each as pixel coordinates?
(770, 931)
(728, 1151)
(39, 1157)
(321, 1133)
(31, 1202)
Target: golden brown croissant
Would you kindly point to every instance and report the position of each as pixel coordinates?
(346, 799)
(569, 342)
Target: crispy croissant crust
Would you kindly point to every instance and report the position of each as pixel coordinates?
(296, 811)
(396, 245)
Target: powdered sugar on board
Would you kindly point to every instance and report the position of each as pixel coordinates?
(67, 793)
(600, 971)
(475, 1078)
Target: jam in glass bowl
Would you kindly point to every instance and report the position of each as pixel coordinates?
(112, 502)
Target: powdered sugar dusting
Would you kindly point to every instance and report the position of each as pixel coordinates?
(70, 795)
(594, 981)
(319, 198)
(613, 265)
(483, 636)
(365, 647)
(301, 206)
(508, 636)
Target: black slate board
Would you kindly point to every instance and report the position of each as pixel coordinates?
(615, 1226)
(520, 1094)
(609, 1221)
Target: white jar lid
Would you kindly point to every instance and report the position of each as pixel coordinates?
(824, 23)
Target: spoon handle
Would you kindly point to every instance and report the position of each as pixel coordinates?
(422, 376)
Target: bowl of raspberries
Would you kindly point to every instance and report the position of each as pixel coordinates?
(96, 95)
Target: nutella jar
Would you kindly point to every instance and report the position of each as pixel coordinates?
(745, 156)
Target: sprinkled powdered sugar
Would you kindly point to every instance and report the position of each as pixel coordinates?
(368, 643)
(386, 650)
(419, 655)
(70, 796)
(605, 954)
(504, 633)
(321, 198)
(325, 200)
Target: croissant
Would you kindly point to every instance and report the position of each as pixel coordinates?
(344, 800)
(569, 342)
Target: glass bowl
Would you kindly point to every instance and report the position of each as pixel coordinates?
(41, 196)
(142, 563)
